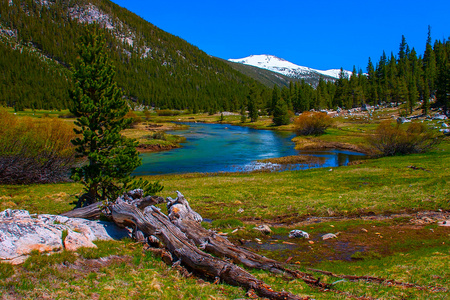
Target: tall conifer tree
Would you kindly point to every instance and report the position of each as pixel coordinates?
(281, 113)
(100, 110)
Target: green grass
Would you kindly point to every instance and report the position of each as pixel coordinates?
(394, 249)
(132, 274)
(383, 185)
(376, 186)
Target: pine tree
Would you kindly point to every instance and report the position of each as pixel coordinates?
(443, 78)
(275, 98)
(412, 95)
(243, 114)
(100, 110)
(253, 101)
(281, 113)
(429, 66)
(372, 95)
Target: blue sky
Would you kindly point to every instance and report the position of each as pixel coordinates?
(317, 34)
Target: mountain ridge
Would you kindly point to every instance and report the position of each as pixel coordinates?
(286, 68)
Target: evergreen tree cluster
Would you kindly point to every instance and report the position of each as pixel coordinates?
(156, 69)
(164, 71)
(403, 78)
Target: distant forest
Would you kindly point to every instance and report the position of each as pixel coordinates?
(403, 78)
(38, 46)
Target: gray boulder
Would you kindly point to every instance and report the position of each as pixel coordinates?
(298, 234)
(329, 236)
(21, 233)
(264, 229)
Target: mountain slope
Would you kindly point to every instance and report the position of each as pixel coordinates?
(152, 66)
(266, 77)
(286, 68)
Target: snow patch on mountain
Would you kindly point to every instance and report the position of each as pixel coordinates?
(279, 65)
(91, 13)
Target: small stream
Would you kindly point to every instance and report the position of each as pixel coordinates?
(212, 148)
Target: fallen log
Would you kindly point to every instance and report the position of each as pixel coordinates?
(95, 210)
(189, 222)
(152, 222)
(89, 212)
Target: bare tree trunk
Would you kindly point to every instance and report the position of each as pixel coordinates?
(90, 212)
(152, 222)
(189, 222)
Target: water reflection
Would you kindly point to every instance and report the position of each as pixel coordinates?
(228, 148)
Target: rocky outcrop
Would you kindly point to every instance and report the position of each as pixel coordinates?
(22, 233)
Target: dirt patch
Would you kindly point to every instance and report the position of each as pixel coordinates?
(293, 159)
(94, 265)
(359, 238)
(317, 144)
(143, 148)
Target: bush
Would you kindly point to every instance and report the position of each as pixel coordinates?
(392, 139)
(135, 119)
(34, 150)
(312, 123)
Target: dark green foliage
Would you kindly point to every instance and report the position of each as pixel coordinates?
(164, 71)
(281, 113)
(253, 104)
(243, 115)
(100, 110)
(443, 78)
(159, 69)
(149, 188)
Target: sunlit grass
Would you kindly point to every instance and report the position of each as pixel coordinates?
(374, 187)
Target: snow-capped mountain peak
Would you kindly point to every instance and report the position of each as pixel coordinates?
(279, 65)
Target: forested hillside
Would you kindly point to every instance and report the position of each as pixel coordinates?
(37, 48)
(37, 44)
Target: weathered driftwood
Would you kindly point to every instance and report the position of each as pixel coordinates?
(90, 212)
(189, 222)
(152, 222)
(95, 210)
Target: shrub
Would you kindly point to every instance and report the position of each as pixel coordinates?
(135, 119)
(34, 150)
(312, 123)
(392, 139)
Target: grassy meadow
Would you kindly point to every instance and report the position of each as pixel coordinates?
(384, 212)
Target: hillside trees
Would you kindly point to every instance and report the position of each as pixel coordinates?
(158, 69)
(100, 109)
(253, 102)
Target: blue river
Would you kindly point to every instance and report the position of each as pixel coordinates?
(212, 148)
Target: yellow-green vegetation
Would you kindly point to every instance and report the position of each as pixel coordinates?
(152, 137)
(125, 272)
(263, 122)
(293, 159)
(34, 150)
(353, 202)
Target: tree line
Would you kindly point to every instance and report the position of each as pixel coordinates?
(176, 75)
(406, 78)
